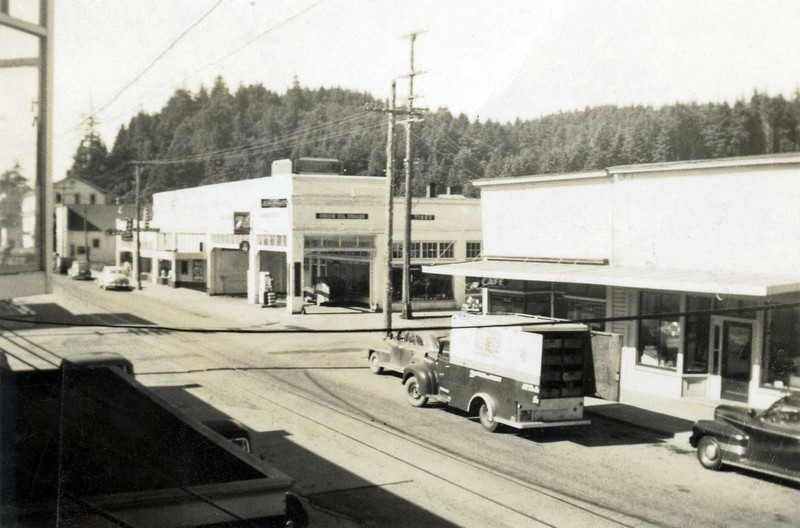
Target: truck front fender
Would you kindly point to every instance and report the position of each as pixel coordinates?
(425, 378)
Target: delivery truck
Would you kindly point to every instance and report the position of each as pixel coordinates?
(519, 371)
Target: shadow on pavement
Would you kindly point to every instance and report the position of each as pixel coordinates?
(329, 489)
(599, 433)
(50, 315)
(653, 421)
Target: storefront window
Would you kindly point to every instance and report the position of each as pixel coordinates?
(659, 337)
(698, 327)
(424, 286)
(781, 359)
(584, 310)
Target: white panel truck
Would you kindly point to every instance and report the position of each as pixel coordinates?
(530, 375)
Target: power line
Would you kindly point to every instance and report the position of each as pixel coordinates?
(149, 66)
(231, 53)
(266, 147)
(531, 323)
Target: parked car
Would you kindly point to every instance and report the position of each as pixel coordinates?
(402, 348)
(764, 441)
(80, 270)
(114, 278)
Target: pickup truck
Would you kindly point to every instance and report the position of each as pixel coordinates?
(521, 376)
(87, 445)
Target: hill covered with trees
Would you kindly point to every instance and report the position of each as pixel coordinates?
(217, 135)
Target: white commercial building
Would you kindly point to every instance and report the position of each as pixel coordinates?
(691, 261)
(317, 232)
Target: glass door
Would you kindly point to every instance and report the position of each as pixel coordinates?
(732, 342)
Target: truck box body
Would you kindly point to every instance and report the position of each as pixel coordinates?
(529, 376)
(93, 447)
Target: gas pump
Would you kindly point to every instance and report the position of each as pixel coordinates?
(267, 290)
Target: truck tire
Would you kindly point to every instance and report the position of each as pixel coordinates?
(375, 364)
(709, 453)
(413, 395)
(487, 418)
(296, 514)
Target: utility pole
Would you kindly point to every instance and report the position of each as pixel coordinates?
(86, 233)
(388, 294)
(413, 116)
(138, 234)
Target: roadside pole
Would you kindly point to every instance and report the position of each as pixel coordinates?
(388, 294)
(138, 247)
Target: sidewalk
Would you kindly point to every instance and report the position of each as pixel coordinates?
(668, 417)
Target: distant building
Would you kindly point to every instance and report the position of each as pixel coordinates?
(85, 223)
(682, 239)
(317, 232)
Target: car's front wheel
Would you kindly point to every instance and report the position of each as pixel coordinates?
(375, 364)
(709, 453)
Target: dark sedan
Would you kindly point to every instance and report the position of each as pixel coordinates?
(764, 441)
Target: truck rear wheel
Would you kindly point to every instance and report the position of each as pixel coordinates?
(486, 418)
(413, 395)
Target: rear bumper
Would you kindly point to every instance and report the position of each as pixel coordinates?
(540, 425)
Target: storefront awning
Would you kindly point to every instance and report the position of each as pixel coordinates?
(716, 282)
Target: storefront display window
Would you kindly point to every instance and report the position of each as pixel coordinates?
(659, 337)
(698, 327)
(781, 356)
(424, 286)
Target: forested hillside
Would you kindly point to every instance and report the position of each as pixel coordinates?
(216, 135)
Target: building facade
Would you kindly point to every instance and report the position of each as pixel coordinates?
(696, 264)
(320, 235)
(85, 223)
(26, 70)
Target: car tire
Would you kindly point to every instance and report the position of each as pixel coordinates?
(375, 364)
(487, 418)
(709, 453)
(413, 395)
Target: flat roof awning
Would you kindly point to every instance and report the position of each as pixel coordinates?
(717, 282)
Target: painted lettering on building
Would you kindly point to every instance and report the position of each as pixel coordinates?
(342, 216)
(267, 203)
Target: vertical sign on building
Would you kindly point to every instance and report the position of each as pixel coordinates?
(241, 223)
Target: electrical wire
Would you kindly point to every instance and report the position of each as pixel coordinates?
(179, 82)
(147, 68)
(529, 323)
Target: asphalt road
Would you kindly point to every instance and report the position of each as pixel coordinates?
(361, 456)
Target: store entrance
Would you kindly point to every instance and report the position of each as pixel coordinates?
(732, 343)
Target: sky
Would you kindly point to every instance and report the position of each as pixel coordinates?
(495, 59)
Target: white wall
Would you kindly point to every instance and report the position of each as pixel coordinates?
(743, 219)
(549, 220)
(725, 218)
